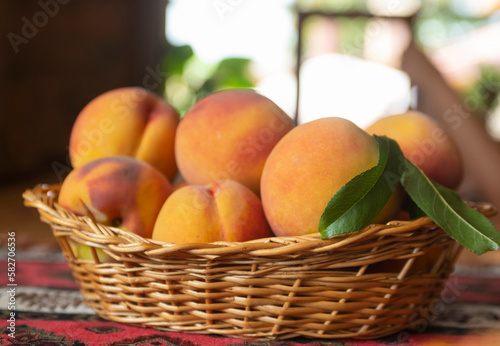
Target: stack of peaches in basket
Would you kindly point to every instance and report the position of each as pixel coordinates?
(234, 220)
(234, 168)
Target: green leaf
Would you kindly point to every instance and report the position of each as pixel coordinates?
(466, 225)
(357, 203)
(175, 59)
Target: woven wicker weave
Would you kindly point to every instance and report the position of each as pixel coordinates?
(272, 288)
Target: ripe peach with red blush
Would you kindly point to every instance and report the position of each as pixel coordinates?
(308, 166)
(228, 135)
(221, 211)
(126, 121)
(117, 191)
(424, 142)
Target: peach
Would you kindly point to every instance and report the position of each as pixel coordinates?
(424, 142)
(117, 191)
(228, 135)
(222, 211)
(308, 166)
(126, 121)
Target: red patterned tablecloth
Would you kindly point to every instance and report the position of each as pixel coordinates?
(49, 311)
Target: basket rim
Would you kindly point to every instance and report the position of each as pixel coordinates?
(284, 278)
(43, 197)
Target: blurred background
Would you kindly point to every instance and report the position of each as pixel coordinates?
(359, 59)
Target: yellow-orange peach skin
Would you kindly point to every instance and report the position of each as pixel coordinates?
(126, 121)
(222, 211)
(117, 191)
(308, 166)
(424, 142)
(228, 135)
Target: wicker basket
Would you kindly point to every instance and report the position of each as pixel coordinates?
(274, 288)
